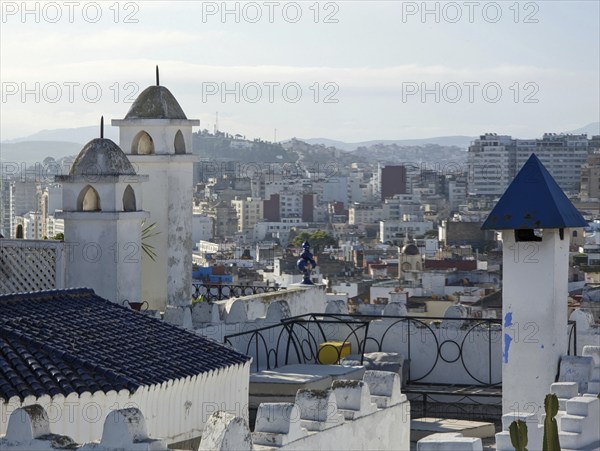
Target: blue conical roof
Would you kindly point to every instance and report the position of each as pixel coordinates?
(533, 201)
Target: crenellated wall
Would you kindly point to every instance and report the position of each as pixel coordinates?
(360, 414)
(175, 411)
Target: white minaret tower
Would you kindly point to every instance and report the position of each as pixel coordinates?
(102, 199)
(535, 218)
(156, 135)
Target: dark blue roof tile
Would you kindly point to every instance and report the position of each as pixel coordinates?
(65, 341)
(533, 200)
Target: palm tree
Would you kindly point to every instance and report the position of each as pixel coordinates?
(147, 233)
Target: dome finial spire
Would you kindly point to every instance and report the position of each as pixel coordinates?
(102, 127)
(157, 80)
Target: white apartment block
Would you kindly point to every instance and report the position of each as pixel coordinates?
(457, 193)
(491, 161)
(202, 227)
(395, 208)
(54, 226)
(359, 214)
(290, 204)
(32, 226)
(359, 188)
(281, 230)
(336, 189)
(562, 155)
(7, 208)
(494, 160)
(393, 230)
(287, 184)
(249, 211)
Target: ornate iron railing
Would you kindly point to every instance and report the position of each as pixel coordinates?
(299, 340)
(218, 292)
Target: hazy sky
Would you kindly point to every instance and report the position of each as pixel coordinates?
(352, 71)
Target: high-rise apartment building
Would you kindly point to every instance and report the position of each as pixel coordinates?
(494, 160)
(7, 208)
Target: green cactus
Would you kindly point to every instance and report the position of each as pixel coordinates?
(551, 442)
(518, 435)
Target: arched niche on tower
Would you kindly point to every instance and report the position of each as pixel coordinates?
(19, 232)
(88, 200)
(129, 199)
(142, 144)
(179, 143)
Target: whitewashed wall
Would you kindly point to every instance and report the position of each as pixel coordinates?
(301, 300)
(174, 411)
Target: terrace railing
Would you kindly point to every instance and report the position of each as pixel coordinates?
(434, 347)
(31, 265)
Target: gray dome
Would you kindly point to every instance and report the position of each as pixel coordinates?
(101, 157)
(155, 102)
(410, 249)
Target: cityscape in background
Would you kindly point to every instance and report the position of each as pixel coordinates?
(254, 196)
(277, 226)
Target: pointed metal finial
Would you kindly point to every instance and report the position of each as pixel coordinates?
(157, 81)
(102, 127)
(306, 263)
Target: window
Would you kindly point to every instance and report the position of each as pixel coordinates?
(142, 144)
(129, 199)
(88, 200)
(179, 143)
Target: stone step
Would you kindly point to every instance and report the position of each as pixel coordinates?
(566, 390)
(423, 427)
(593, 387)
(449, 442)
(570, 440)
(503, 442)
(572, 423)
(580, 405)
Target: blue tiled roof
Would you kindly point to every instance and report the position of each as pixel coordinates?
(533, 201)
(60, 342)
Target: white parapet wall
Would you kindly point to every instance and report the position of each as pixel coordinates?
(588, 332)
(30, 428)
(241, 314)
(346, 416)
(302, 299)
(175, 411)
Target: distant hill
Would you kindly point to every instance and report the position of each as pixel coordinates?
(81, 135)
(225, 147)
(590, 130)
(64, 142)
(30, 152)
(458, 141)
